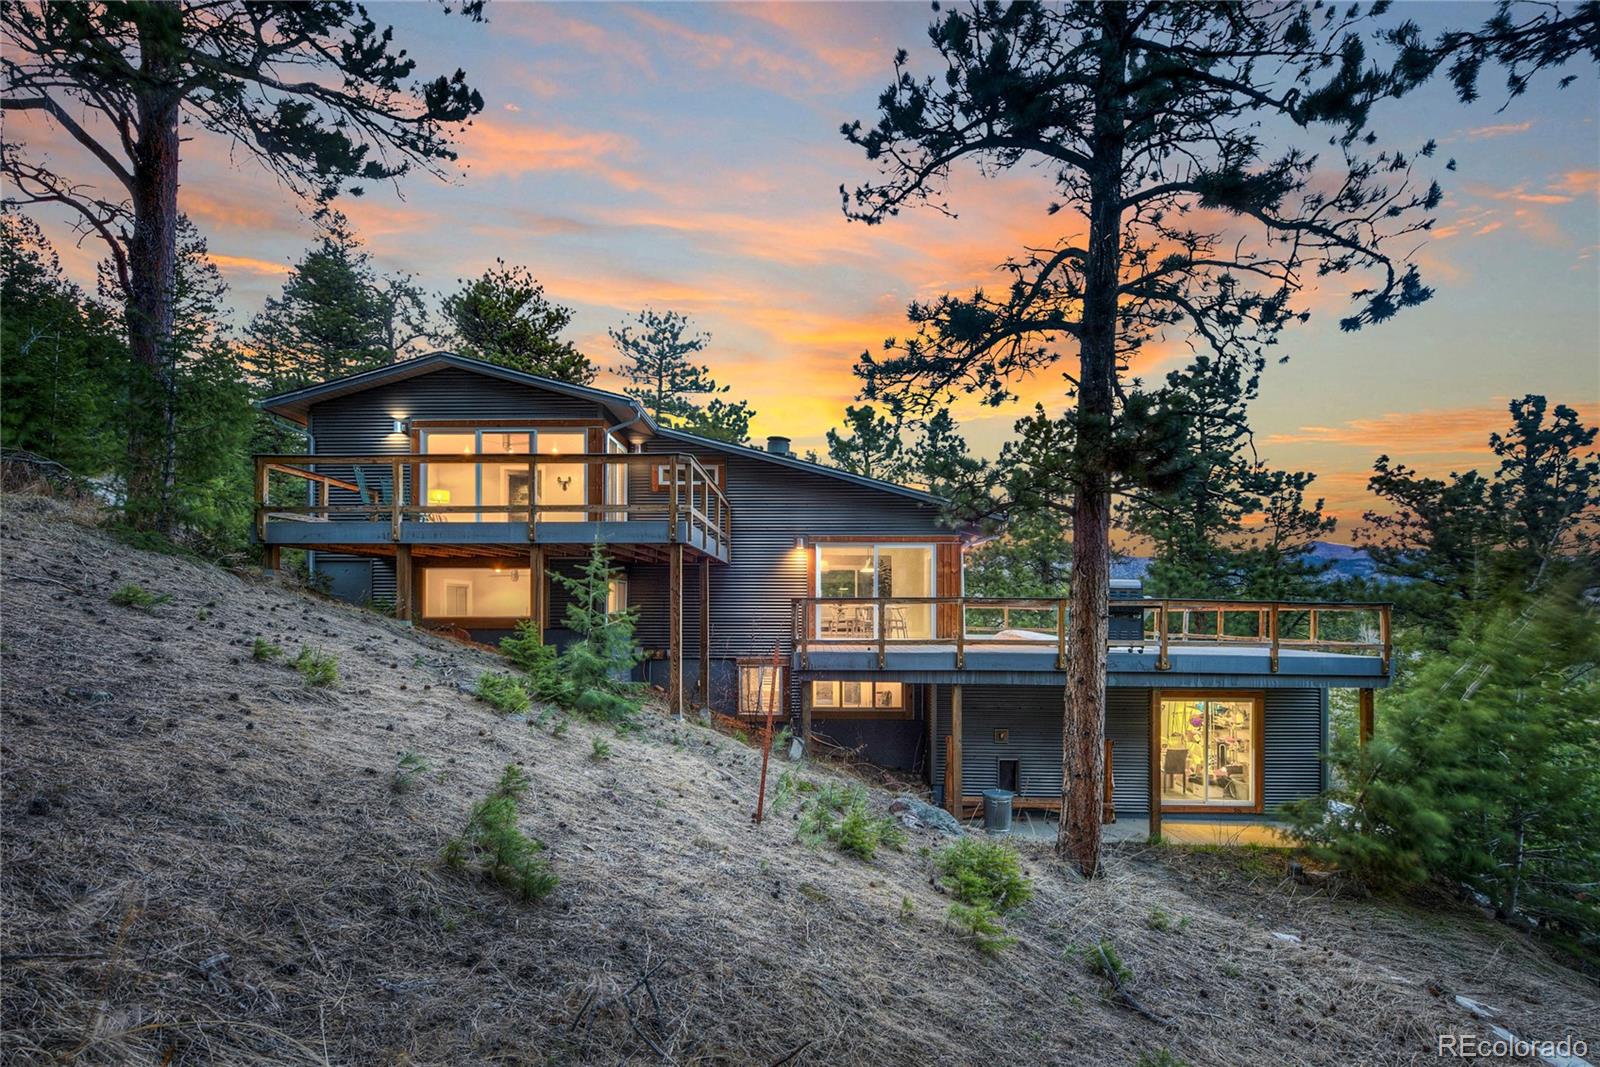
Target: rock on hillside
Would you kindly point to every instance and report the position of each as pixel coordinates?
(207, 861)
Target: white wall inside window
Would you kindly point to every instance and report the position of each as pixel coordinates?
(491, 594)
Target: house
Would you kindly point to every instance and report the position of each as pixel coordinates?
(451, 488)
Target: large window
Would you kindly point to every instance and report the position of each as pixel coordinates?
(476, 593)
(560, 489)
(1210, 751)
(866, 572)
(858, 698)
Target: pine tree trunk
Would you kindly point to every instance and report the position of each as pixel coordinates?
(1083, 713)
(152, 263)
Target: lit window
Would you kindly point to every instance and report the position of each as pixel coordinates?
(857, 696)
(1210, 751)
(760, 688)
(616, 596)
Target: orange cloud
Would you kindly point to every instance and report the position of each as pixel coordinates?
(1441, 431)
(248, 264)
(498, 148)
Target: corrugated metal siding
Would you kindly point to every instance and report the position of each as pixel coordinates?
(1295, 728)
(752, 596)
(1128, 729)
(1031, 714)
(363, 423)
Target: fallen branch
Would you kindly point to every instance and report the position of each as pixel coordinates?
(1110, 971)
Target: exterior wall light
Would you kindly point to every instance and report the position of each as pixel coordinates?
(402, 425)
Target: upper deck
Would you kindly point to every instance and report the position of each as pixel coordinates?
(490, 506)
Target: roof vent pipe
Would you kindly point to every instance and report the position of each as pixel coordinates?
(778, 446)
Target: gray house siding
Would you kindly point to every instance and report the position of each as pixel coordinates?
(1294, 731)
(363, 424)
(752, 596)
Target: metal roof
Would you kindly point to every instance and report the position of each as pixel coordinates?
(798, 464)
(293, 405)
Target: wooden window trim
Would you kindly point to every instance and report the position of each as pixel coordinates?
(715, 468)
(1258, 716)
(781, 712)
(819, 711)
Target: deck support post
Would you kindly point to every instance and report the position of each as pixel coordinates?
(1155, 765)
(704, 688)
(1367, 716)
(952, 755)
(403, 581)
(536, 604)
(930, 710)
(675, 628)
(805, 719)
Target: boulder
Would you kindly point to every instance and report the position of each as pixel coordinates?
(919, 814)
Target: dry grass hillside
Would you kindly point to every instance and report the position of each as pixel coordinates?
(206, 860)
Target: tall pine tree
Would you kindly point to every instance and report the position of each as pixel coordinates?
(504, 317)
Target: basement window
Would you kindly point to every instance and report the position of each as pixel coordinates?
(858, 698)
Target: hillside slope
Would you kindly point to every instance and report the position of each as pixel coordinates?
(205, 861)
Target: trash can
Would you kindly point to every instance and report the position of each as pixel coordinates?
(997, 811)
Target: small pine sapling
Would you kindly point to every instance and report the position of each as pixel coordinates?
(492, 840)
(503, 693)
(986, 879)
(597, 665)
(408, 771)
(317, 668)
(132, 596)
(265, 651)
(600, 750)
(527, 651)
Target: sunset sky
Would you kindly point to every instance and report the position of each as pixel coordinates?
(688, 157)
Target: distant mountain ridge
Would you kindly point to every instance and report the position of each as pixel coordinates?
(1342, 561)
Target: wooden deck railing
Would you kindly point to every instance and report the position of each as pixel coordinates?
(884, 622)
(385, 485)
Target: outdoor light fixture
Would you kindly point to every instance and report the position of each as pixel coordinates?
(800, 541)
(401, 425)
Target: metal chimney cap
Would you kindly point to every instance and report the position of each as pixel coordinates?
(778, 446)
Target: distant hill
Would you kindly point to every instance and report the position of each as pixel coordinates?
(1343, 561)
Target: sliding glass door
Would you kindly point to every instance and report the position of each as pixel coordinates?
(869, 572)
(560, 490)
(1210, 751)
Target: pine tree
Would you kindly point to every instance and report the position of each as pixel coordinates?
(872, 448)
(334, 317)
(1228, 525)
(721, 420)
(1486, 766)
(63, 358)
(657, 352)
(596, 666)
(504, 317)
(1171, 213)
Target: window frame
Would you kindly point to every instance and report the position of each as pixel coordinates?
(876, 545)
(902, 710)
(781, 712)
(1258, 716)
(715, 468)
